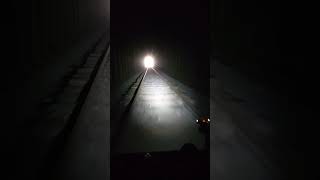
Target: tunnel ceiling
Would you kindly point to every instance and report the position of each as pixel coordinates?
(159, 22)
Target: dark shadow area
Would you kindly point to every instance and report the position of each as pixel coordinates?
(264, 74)
(49, 42)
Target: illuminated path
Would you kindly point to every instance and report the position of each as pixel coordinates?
(158, 120)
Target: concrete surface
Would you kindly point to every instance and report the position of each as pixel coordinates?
(235, 105)
(86, 155)
(158, 120)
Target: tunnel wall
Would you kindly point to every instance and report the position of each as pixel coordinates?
(57, 25)
(259, 40)
(44, 41)
(268, 42)
(126, 64)
(47, 38)
(189, 65)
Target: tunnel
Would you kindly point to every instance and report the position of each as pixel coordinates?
(231, 93)
(154, 110)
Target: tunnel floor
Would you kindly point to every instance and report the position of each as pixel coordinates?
(158, 120)
(233, 154)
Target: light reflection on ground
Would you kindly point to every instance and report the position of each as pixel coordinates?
(159, 120)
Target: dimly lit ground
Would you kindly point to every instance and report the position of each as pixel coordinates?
(237, 103)
(161, 121)
(158, 120)
(86, 154)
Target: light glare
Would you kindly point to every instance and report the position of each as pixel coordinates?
(148, 61)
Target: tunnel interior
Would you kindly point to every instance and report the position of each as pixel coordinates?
(177, 37)
(177, 40)
(159, 120)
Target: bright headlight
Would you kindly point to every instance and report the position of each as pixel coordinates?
(149, 61)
